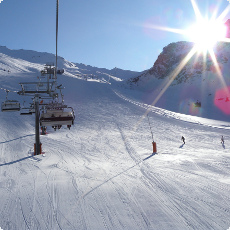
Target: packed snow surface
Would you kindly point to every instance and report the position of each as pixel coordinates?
(101, 174)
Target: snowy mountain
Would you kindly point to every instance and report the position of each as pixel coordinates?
(198, 80)
(101, 174)
(34, 61)
(115, 73)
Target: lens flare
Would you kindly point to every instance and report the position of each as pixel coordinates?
(222, 100)
(205, 33)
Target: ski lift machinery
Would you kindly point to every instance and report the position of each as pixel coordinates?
(57, 114)
(27, 110)
(10, 105)
(51, 112)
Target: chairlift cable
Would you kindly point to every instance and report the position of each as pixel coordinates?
(7, 90)
(56, 36)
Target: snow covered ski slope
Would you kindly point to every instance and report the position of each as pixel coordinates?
(101, 173)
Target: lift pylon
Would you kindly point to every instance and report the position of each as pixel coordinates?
(43, 90)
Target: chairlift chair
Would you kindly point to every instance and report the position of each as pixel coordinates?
(26, 111)
(60, 71)
(56, 115)
(10, 106)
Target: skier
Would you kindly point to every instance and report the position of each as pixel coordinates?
(222, 140)
(183, 139)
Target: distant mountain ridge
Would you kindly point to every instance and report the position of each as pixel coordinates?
(198, 80)
(37, 60)
(174, 53)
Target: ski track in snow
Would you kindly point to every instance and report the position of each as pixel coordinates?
(102, 174)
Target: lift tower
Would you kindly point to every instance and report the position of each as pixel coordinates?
(54, 114)
(40, 90)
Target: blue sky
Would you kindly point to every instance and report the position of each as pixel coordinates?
(101, 33)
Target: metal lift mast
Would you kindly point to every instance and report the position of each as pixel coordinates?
(37, 149)
(41, 90)
(38, 92)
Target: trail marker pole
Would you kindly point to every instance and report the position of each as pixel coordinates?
(154, 147)
(153, 143)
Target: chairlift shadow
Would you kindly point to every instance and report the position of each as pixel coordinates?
(16, 161)
(3, 142)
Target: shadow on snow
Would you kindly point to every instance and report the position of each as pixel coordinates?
(16, 161)
(17, 138)
(118, 175)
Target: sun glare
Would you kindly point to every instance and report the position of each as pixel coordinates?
(206, 33)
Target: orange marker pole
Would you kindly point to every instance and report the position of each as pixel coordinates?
(154, 147)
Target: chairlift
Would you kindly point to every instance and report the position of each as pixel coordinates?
(27, 110)
(10, 106)
(48, 69)
(56, 115)
(60, 71)
(32, 110)
(197, 104)
(26, 113)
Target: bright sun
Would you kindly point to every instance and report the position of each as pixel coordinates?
(205, 33)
